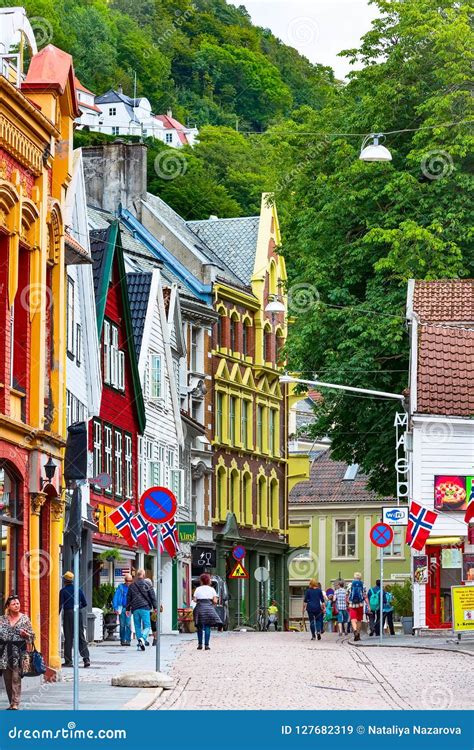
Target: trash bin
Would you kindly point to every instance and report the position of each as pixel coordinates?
(98, 624)
(91, 618)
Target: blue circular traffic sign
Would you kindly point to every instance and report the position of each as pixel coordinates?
(238, 552)
(158, 505)
(381, 534)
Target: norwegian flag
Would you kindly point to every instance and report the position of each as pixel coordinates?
(142, 532)
(122, 518)
(420, 523)
(169, 538)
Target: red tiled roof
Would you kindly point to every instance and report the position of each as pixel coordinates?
(94, 107)
(171, 124)
(51, 68)
(78, 85)
(326, 484)
(447, 300)
(445, 382)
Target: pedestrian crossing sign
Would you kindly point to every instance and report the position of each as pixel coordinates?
(239, 571)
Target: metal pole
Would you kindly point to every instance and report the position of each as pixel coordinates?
(381, 595)
(76, 631)
(158, 597)
(239, 597)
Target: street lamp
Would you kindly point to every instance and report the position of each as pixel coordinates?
(49, 470)
(274, 306)
(374, 151)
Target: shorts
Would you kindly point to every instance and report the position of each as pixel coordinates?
(343, 615)
(356, 613)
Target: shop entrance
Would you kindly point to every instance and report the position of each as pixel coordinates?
(444, 571)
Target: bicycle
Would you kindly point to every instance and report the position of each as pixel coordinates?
(262, 619)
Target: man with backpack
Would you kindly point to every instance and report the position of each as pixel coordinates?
(141, 601)
(357, 597)
(373, 596)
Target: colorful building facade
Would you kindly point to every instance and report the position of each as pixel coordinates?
(36, 123)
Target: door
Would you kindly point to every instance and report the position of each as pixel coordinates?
(444, 571)
(433, 614)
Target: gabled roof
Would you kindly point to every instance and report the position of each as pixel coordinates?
(170, 123)
(105, 246)
(51, 69)
(80, 87)
(234, 241)
(139, 285)
(326, 484)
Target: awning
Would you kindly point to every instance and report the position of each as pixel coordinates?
(444, 540)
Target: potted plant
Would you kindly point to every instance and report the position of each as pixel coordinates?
(403, 605)
(102, 598)
(110, 555)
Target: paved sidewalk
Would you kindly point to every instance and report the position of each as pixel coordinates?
(438, 643)
(96, 693)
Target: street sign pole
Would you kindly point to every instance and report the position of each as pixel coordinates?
(75, 698)
(158, 597)
(381, 594)
(239, 604)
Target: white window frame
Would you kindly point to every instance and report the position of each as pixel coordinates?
(118, 463)
(155, 382)
(168, 137)
(97, 447)
(388, 552)
(177, 484)
(78, 344)
(106, 345)
(108, 455)
(128, 466)
(70, 317)
(345, 519)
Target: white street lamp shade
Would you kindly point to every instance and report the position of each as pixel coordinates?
(375, 152)
(275, 307)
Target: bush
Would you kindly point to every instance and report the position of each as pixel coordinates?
(102, 597)
(402, 598)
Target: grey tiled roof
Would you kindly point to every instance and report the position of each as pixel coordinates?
(234, 241)
(326, 484)
(138, 285)
(98, 219)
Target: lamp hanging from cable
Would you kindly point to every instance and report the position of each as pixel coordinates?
(374, 151)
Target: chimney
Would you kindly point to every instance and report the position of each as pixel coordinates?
(119, 89)
(213, 217)
(169, 113)
(115, 173)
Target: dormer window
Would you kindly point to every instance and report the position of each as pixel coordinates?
(114, 358)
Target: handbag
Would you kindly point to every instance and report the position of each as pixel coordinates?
(33, 664)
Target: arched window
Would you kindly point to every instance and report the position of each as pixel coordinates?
(268, 344)
(274, 504)
(221, 494)
(272, 278)
(219, 331)
(247, 498)
(245, 339)
(280, 343)
(234, 334)
(10, 522)
(262, 502)
(235, 494)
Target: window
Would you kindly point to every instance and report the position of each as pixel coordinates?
(78, 344)
(268, 345)
(245, 423)
(70, 317)
(221, 496)
(395, 548)
(177, 485)
(351, 473)
(115, 130)
(274, 505)
(259, 428)
(345, 532)
(10, 526)
(233, 335)
(97, 447)
(262, 502)
(128, 467)
(118, 463)
(245, 339)
(108, 454)
(247, 498)
(195, 358)
(271, 434)
(232, 410)
(219, 417)
(235, 494)
(169, 137)
(76, 411)
(114, 358)
(112, 111)
(12, 340)
(156, 390)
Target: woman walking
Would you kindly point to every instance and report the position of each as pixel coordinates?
(15, 633)
(388, 610)
(315, 607)
(205, 615)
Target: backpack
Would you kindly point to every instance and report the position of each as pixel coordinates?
(374, 598)
(357, 592)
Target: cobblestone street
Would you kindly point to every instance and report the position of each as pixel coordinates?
(289, 671)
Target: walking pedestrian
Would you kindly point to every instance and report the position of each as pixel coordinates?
(16, 633)
(373, 595)
(314, 605)
(141, 601)
(388, 610)
(119, 603)
(273, 615)
(342, 598)
(205, 615)
(357, 597)
(331, 612)
(66, 604)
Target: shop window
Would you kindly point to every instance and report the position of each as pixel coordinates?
(10, 523)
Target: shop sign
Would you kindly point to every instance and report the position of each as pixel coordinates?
(204, 557)
(452, 492)
(468, 567)
(420, 568)
(462, 598)
(401, 458)
(187, 532)
(397, 516)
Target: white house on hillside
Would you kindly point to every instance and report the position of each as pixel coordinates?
(90, 112)
(123, 115)
(176, 134)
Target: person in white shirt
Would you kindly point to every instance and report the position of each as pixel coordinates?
(205, 615)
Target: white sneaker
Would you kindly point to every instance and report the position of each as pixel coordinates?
(141, 645)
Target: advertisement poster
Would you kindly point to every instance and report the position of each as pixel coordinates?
(420, 569)
(468, 567)
(463, 608)
(452, 492)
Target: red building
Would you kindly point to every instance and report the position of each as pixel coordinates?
(114, 434)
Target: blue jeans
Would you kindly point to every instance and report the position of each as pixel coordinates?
(125, 629)
(207, 634)
(316, 622)
(142, 622)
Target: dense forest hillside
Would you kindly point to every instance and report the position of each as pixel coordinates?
(202, 58)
